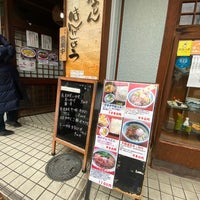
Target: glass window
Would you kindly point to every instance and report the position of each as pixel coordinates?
(37, 70)
(186, 20)
(187, 7)
(190, 12)
(182, 117)
(197, 19)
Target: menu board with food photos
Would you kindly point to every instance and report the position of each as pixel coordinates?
(74, 114)
(122, 136)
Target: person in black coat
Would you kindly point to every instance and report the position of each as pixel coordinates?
(9, 87)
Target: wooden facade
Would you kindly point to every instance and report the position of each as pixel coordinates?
(175, 151)
(41, 17)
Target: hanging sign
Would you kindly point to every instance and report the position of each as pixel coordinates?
(84, 19)
(63, 44)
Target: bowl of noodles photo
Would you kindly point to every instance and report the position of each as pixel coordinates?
(109, 98)
(135, 132)
(140, 97)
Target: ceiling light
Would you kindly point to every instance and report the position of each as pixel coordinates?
(61, 15)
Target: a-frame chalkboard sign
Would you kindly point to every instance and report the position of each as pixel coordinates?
(74, 114)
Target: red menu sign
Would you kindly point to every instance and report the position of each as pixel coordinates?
(123, 129)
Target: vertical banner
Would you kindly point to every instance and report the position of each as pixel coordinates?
(122, 135)
(84, 24)
(63, 44)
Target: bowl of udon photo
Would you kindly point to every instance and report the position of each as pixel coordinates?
(135, 132)
(139, 97)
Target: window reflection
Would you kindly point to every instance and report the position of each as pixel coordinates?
(197, 19)
(186, 20)
(190, 13)
(187, 7)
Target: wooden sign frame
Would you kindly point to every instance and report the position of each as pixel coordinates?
(81, 149)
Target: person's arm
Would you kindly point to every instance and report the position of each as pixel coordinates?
(3, 52)
(8, 50)
(4, 41)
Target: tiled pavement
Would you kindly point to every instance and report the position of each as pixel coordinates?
(24, 155)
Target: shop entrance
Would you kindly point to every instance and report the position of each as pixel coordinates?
(39, 79)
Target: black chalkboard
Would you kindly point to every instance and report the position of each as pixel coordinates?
(74, 111)
(74, 114)
(129, 175)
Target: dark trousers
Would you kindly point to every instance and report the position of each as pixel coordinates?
(12, 116)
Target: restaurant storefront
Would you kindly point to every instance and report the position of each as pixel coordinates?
(36, 38)
(171, 147)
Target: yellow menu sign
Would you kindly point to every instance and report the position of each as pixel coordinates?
(184, 48)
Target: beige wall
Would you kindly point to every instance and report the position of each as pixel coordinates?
(142, 34)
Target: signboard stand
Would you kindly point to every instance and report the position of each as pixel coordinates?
(134, 196)
(74, 115)
(88, 188)
(123, 135)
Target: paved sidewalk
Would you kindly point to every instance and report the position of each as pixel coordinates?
(24, 155)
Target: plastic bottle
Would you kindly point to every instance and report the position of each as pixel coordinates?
(179, 122)
(186, 123)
